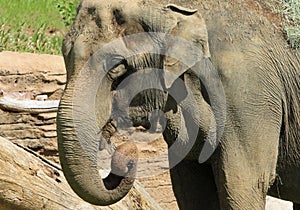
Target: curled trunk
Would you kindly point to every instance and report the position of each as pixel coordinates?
(79, 137)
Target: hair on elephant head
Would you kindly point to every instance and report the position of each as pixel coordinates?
(132, 62)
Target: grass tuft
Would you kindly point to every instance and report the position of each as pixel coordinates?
(38, 26)
(20, 38)
(291, 13)
(35, 26)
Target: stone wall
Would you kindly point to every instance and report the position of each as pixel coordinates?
(28, 74)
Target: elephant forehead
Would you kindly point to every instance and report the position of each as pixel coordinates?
(106, 6)
(139, 11)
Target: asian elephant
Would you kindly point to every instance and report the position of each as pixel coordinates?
(228, 90)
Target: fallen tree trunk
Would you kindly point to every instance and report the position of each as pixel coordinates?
(31, 106)
(28, 182)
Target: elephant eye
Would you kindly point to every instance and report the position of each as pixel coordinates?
(92, 10)
(119, 16)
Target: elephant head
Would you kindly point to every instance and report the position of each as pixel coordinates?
(139, 36)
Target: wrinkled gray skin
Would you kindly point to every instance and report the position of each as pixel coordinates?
(259, 151)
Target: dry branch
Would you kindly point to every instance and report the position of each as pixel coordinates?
(31, 106)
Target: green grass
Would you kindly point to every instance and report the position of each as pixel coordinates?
(38, 26)
(291, 13)
(35, 12)
(34, 25)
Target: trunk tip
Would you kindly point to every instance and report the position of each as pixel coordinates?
(124, 160)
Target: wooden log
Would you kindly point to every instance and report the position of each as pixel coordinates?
(29, 182)
(31, 106)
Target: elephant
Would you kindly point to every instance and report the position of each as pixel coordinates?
(228, 89)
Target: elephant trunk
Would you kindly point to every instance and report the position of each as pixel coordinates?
(78, 129)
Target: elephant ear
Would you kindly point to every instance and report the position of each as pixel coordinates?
(180, 9)
(187, 51)
(189, 42)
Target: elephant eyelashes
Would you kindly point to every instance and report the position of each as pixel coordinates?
(118, 16)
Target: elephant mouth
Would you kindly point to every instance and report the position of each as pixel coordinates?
(144, 106)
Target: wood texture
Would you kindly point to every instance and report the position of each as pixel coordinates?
(28, 182)
(31, 106)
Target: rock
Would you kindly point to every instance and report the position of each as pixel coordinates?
(50, 134)
(21, 95)
(47, 116)
(278, 204)
(51, 127)
(41, 97)
(28, 63)
(41, 74)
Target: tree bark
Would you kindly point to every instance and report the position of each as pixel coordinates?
(29, 182)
